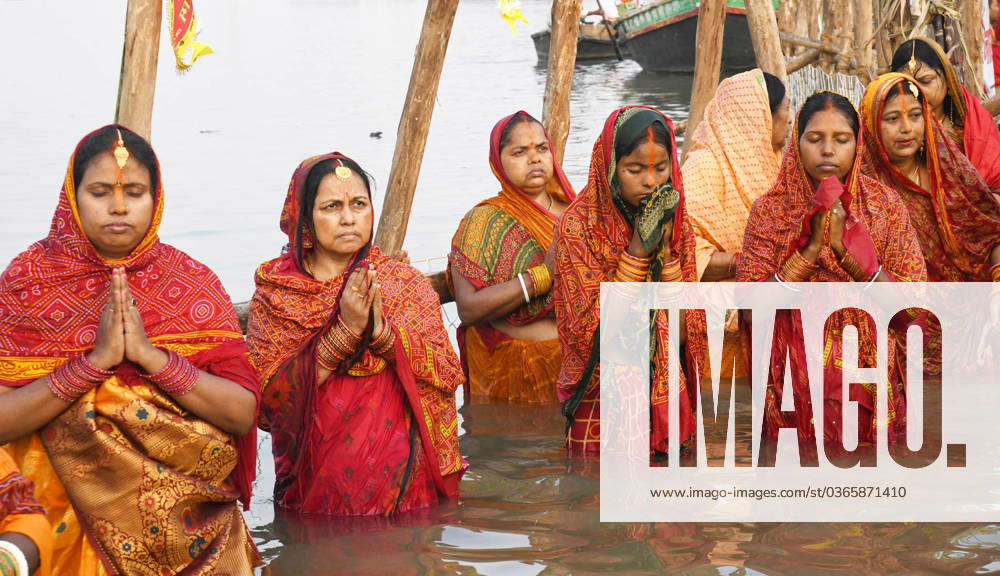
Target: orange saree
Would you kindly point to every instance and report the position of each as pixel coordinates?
(593, 234)
(877, 233)
(131, 482)
(957, 221)
(500, 238)
(379, 436)
(20, 512)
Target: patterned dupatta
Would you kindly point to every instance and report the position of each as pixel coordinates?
(957, 220)
(147, 506)
(730, 163)
(593, 233)
(505, 235)
(877, 232)
(291, 310)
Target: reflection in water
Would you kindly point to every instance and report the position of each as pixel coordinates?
(528, 509)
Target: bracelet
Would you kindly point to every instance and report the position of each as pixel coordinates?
(798, 269)
(631, 268)
(872, 281)
(995, 272)
(75, 378)
(785, 284)
(178, 377)
(524, 288)
(853, 268)
(541, 278)
(16, 555)
(384, 341)
(339, 342)
(671, 271)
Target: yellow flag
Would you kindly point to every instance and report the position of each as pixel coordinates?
(510, 11)
(183, 29)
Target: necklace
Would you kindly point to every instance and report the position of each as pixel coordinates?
(550, 202)
(914, 175)
(308, 266)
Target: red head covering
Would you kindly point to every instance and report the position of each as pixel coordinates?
(52, 296)
(957, 220)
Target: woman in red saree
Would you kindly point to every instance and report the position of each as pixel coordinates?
(508, 337)
(825, 221)
(952, 210)
(628, 225)
(962, 116)
(124, 360)
(357, 372)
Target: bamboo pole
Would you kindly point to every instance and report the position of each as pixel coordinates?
(864, 29)
(559, 78)
(414, 123)
(807, 43)
(972, 39)
(802, 60)
(137, 82)
(708, 61)
(764, 36)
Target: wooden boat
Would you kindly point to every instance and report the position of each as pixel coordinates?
(661, 36)
(593, 43)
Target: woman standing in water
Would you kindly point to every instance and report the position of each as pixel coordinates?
(122, 358)
(628, 225)
(502, 270)
(357, 372)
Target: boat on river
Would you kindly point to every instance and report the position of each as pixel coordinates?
(661, 36)
(594, 42)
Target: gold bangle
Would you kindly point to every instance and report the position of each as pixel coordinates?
(995, 272)
(631, 268)
(853, 268)
(385, 340)
(798, 269)
(541, 278)
(671, 271)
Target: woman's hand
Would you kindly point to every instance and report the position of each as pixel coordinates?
(838, 216)
(138, 349)
(109, 350)
(356, 303)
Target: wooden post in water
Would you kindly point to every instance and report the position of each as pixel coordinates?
(559, 78)
(972, 38)
(764, 35)
(137, 83)
(414, 123)
(708, 61)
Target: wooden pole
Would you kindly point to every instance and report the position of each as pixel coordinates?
(864, 28)
(764, 36)
(414, 123)
(559, 79)
(802, 60)
(137, 82)
(708, 61)
(972, 38)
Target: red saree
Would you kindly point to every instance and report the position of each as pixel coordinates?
(502, 237)
(109, 466)
(592, 236)
(957, 221)
(779, 223)
(381, 438)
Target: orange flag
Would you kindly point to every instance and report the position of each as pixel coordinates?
(183, 29)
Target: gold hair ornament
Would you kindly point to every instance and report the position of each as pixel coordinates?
(342, 172)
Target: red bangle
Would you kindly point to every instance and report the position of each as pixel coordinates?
(178, 377)
(75, 378)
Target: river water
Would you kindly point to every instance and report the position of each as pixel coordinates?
(293, 78)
